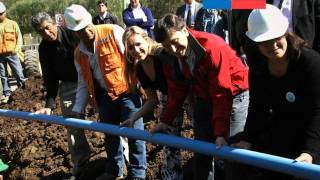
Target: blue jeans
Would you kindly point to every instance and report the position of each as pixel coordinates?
(114, 112)
(16, 67)
(203, 128)
(239, 113)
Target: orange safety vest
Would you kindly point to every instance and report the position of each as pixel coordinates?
(111, 61)
(8, 36)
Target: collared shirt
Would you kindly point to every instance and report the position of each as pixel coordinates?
(138, 12)
(193, 9)
(57, 61)
(82, 98)
(103, 16)
(286, 9)
(106, 18)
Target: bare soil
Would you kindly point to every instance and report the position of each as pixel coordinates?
(37, 150)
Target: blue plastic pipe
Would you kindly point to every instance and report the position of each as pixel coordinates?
(275, 163)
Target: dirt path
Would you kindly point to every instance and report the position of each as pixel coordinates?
(36, 150)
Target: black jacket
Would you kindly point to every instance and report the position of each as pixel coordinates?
(109, 19)
(57, 62)
(284, 113)
(305, 17)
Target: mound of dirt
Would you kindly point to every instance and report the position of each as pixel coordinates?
(37, 150)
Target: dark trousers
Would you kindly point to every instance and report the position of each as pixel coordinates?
(203, 131)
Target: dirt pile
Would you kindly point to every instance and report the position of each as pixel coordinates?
(36, 150)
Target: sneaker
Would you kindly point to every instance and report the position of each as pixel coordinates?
(4, 99)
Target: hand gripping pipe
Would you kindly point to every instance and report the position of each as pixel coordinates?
(275, 163)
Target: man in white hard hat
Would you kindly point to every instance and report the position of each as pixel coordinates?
(10, 44)
(100, 64)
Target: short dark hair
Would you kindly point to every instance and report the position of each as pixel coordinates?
(103, 2)
(39, 18)
(166, 24)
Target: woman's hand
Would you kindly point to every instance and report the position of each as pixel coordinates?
(45, 111)
(305, 157)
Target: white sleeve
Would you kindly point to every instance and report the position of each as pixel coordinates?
(118, 33)
(82, 96)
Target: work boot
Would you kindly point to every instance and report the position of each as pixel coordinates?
(77, 170)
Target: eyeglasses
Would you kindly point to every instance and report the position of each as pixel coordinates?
(2, 13)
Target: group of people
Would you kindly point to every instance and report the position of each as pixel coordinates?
(270, 106)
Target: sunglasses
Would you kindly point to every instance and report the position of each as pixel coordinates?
(2, 13)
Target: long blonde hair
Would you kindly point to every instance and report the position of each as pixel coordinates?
(153, 48)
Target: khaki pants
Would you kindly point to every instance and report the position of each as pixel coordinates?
(77, 141)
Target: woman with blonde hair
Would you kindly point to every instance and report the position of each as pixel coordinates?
(144, 65)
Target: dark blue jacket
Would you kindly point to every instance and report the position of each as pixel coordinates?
(129, 19)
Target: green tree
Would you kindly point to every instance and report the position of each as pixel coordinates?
(162, 7)
(22, 10)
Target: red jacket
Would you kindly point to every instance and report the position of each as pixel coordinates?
(216, 73)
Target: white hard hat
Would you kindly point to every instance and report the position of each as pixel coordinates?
(2, 7)
(77, 17)
(266, 24)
